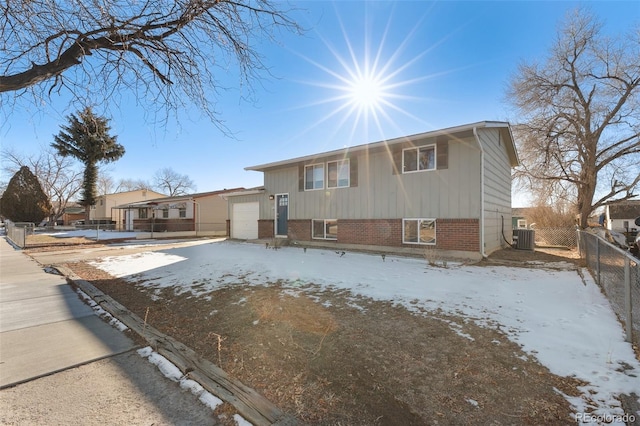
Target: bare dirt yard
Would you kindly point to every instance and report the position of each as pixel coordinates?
(322, 358)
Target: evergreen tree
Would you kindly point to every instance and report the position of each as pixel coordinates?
(24, 200)
(87, 139)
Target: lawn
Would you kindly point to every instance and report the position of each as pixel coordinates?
(360, 339)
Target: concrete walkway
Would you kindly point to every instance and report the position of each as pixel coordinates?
(44, 326)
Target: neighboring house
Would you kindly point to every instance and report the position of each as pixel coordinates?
(520, 217)
(203, 212)
(447, 189)
(72, 213)
(620, 216)
(105, 211)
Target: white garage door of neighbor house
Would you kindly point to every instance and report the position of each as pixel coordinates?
(244, 222)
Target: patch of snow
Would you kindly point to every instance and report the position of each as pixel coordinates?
(472, 402)
(113, 321)
(563, 321)
(241, 421)
(170, 371)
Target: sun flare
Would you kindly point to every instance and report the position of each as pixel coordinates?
(369, 81)
(366, 92)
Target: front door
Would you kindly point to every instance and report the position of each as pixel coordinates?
(282, 214)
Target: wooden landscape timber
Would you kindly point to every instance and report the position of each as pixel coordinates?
(250, 404)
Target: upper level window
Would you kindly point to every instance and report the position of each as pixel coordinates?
(338, 174)
(419, 159)
(314, 177)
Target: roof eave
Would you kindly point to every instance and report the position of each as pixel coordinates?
(433, 133)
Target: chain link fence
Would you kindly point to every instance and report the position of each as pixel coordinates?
(617, 272)
(17, 232)
(556, 237)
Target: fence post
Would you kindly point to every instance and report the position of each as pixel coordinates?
(627, 300)
(598, 260)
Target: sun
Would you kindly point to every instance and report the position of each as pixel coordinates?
(366, 92)
(366, 83)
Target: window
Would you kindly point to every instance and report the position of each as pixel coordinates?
(522, 223)
(419, 231)
(324, 229)
(182, 212)
(314, 177)
(165, 213)
(338, 174)
(143, 214)
(419, 159)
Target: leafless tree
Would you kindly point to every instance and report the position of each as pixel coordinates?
(132, 185)
(579, 129)
(164, 52)
(61, 181)
(172, 183)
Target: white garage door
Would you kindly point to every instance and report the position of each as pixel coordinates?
(244, 221)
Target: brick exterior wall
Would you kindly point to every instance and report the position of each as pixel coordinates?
(299, 229)
(458, 234)
(376, 232)
(265, 228)
(451, 234)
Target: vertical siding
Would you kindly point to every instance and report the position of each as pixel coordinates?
(213, 212)
(451, 193)
(497, 182)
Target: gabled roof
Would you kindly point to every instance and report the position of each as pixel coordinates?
(629, 209)
(384, 144)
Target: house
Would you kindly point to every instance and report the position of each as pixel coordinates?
(520, 217)
(72, 213)
(203, 213)
(105, 211)
(448, 190)
(620, 216)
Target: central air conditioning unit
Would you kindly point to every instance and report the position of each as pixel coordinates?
(524, 239)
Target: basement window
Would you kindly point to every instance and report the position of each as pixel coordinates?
(324, 229)
(419, 231)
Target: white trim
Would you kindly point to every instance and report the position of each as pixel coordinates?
(304, 177)
(420, 219)
(344, 160)
(324, 229)
(482, 224)
(387, 143)
(417, 149)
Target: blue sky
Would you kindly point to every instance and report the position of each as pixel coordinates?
(447, 63)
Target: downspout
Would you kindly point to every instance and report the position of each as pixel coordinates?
(482, 248)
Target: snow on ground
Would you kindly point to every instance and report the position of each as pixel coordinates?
(92, 234)
(557, 317)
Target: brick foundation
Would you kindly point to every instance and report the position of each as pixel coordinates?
(458, 234)
(375, 232)
(299, 229)
(451, 234)
(265, 228)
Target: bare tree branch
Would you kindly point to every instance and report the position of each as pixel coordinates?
(162, 51)
(580, 114)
